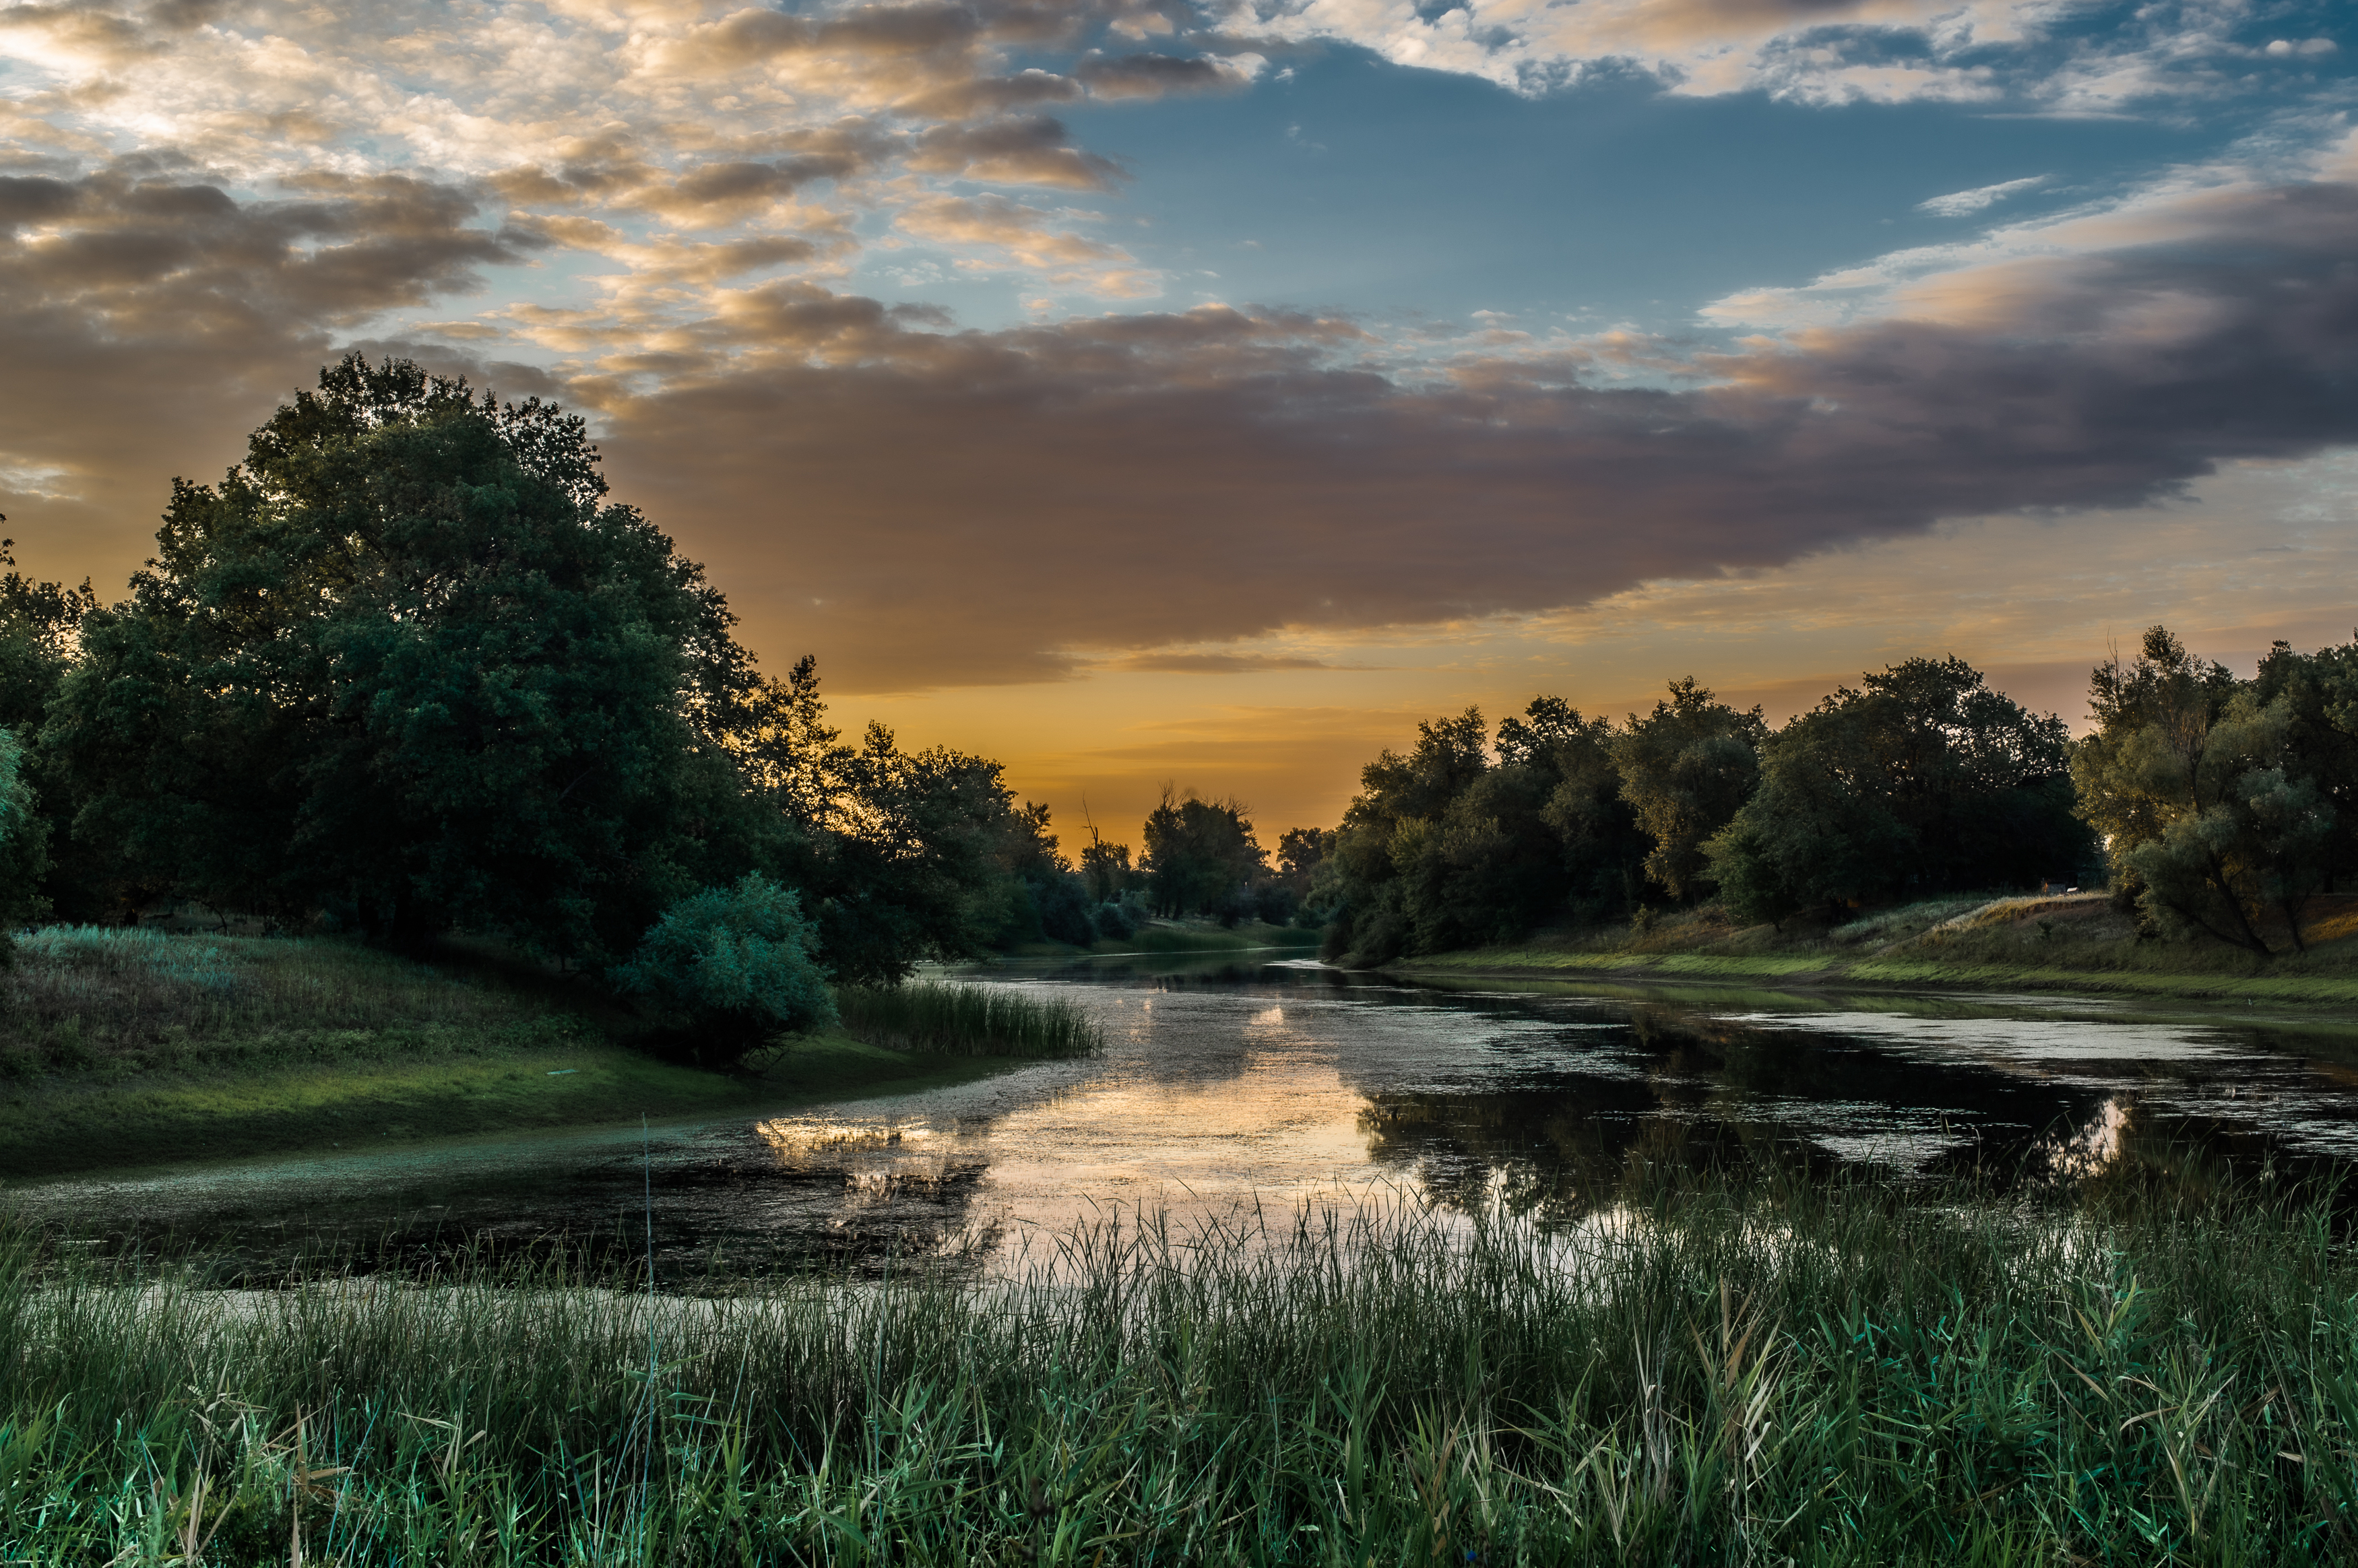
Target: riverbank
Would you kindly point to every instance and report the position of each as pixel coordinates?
(1178, 938)
(124, 1048)
(72, 1127)
(2074, 943)
(1869, 1373)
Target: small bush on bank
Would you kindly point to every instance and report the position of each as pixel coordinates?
(734, 965)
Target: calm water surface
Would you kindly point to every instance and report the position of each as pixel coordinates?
(1226, 1087)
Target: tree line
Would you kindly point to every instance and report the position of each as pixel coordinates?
(2214, 806)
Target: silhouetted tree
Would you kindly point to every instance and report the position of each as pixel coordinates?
(1199, 854)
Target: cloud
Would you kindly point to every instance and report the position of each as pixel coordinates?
(1965, 203)
(1217, 664)
(2032, 52)
(1161, 75)
(151, 317)
(975, 506)
(1031, 150)
(1010, 235)
(927, 505)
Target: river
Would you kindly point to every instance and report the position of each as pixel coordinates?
(1227, 1086)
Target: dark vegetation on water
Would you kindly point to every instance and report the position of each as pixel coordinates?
(2223, 812)
(1845, 1374)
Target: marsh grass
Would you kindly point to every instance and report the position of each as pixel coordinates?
(1785, 1374)
(958, 1020)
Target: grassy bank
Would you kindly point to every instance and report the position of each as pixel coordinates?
(1180, 937)
(2072, 943)
(1188, 936)
(135, 1047)
(68, 1126)
(1845, 1377)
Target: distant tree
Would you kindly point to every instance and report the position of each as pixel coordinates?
(1920, 777)
(900, 856)
(912, 862)
(732, 966)
(1199, 854)
(1686, 769)
(1298, 851)
(1105, 868)
(1444, 847)
(1049, 898)
(2209, 797)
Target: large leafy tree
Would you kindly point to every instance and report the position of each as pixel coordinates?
(407, 661)
(1922, 778)
(2216, 800)
(1686, 769)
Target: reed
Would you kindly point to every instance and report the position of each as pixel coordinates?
(954, 1020)
(1712, 1375)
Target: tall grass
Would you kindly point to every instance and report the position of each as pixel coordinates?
(1845, 1377)
(111, 999)
(966, 1019)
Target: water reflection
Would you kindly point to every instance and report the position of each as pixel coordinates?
(1227, 1086)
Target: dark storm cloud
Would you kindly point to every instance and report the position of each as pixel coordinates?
(972, 506)
(1031, 150)
(1154, 76)
(989, 95)
(151, 319)
(1217, 664)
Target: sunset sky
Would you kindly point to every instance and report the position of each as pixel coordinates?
(1205, 393)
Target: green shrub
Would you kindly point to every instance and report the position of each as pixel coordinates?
(733, 964)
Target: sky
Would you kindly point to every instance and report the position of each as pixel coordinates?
(1203, 394)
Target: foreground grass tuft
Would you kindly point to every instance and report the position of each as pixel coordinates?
(955, 1020)
(1843, 1376)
